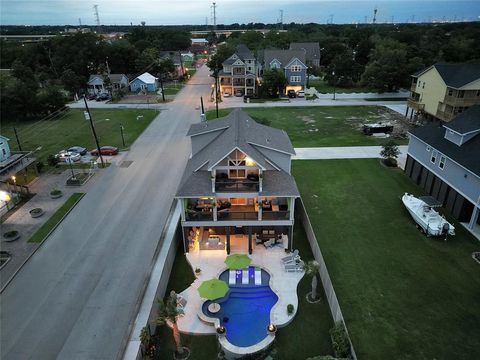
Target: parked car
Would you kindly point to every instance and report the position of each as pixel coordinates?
(238, 93)
(301, 94)
(226, 94)
(291, 94)
(91, 96)
(103, 97)
(105, 150)
(78, 149)
(67, 156)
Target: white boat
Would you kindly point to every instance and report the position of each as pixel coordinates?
(431, 222)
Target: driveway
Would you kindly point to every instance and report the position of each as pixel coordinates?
(77, 296)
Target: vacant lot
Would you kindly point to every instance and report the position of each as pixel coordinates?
(72, 129)
(404, 296)
(324, 125)
(323, 87)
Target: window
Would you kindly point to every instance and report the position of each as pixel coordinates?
(296, 68)
(237, 174)
(461, 94)
(419, 84)
(428, 148)
(441, 164)
(4, 152)
(433, 159)
(423, 86)
(450, 92)
(295, 79)
(478, 92)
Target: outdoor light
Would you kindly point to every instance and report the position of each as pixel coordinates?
(14, 178)
(221, 330)
(272, 329)
(4, 196)
(249, 161)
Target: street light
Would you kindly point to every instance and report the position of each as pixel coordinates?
(334, 83)
(14, 178)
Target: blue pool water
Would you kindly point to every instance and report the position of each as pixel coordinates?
(245, 310)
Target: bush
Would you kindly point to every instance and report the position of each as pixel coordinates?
(10, 234)
(390, 162)
(290, 309)
(340, 343)
(197, 270)
(52, 160)
(40, 165)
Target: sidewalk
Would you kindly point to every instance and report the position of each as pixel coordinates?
(21, 220)
(347, 152)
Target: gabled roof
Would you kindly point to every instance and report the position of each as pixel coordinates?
(147, 78)
(114, 78)
(467, 122)
(244, 52)
(283, 56)
(312, 49)
(455, 75)
(235, 131)
(173, 55)
(467, 155)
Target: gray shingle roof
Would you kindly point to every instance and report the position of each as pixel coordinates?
(466, 122)
(244, 52)
(467, 155)
(456, 75)
(114, 78)
(312, 49)
(284, 56)
(237, 130)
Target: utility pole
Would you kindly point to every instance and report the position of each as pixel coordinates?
(18, 141)
(181, 63)
(95, 13)
(214, 15)
(121, 132)
(281, 20)
(88, 116)
(202, 115)
(375, 15)
(161, 86)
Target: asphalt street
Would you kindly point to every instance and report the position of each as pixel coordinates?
(78, 295)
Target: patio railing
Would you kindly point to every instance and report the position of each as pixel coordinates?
(275, 215)
(236, 186)
(237, 215)
(193, 215)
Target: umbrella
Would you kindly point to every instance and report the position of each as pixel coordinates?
(237, 261)
(213, 289)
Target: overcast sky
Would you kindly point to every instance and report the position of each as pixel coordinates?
(169, 12)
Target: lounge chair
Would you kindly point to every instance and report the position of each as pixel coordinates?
(258, 276)
(232, 278)
(269, 243)
(181, 303)
(292, 257)
(245, 276)
(294, 267)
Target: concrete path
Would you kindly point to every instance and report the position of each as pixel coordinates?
(77, 297)
(347, 152)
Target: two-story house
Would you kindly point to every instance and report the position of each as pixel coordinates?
(312, 52)
(445, 161)
(291, 63)
(442, 91)
(239, 73)
(237, 189)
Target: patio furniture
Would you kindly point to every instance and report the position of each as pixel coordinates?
(292, 257)
(269, 243)
(181, 303)
(294, 267)
(237, 261)
(258, 276)
(213, 289)
(214, 307)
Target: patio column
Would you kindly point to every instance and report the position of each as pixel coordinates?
(185, 239)
(290, 237)
(228, 239)
(250, 240)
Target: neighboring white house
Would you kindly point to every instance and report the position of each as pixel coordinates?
(4, 148)
(96, 83)
(145, 82)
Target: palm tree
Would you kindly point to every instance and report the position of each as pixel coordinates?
(168, 311)
(311, 268)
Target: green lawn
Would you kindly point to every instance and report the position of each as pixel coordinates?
(322, 125)
(55, 219)
(307, 335)
(323, 87)
(73, 130)
(403, 295)
(172, 89)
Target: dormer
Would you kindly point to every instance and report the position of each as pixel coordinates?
(275, 64)
(464, 127)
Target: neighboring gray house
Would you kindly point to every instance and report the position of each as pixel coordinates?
(237, 181)
(312, 52)
(291, 62)
(239, 73)
(444, 159)
(4, 148)
(96, 83)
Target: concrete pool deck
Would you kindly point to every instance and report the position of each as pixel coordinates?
(211, 262)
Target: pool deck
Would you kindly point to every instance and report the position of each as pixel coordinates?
(211, 263)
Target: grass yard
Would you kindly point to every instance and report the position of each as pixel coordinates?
(323, 87)
(172, 89)
(307, 335)
(73, 130)
(403, 295)
(323, 125)
(55, 219)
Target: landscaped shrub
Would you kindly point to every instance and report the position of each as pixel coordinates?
(40, 165)
(52, 160)
(290, 309)
(10, 234)
(340, 343)
(390, 162)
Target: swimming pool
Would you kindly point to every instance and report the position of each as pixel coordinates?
(245, 310)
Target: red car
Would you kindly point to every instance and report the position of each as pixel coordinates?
(105, 150)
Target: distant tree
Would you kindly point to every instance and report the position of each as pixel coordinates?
(71, 81)
(211, 38)
(166, 67)
(274, 81)
(147, 59)
(387, 69)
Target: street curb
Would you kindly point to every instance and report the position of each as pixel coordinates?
(40, 244)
